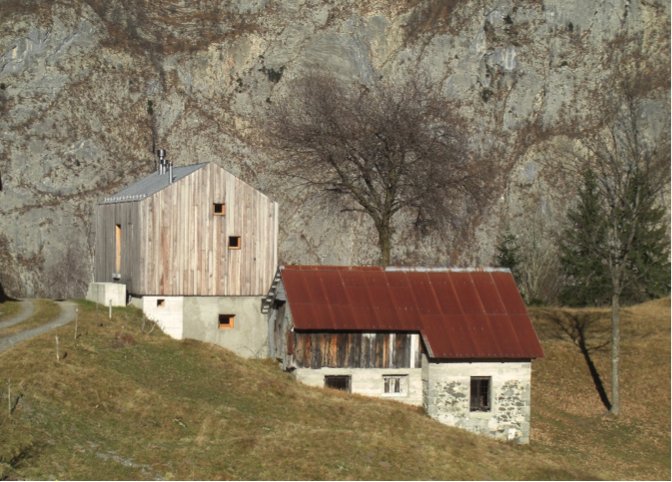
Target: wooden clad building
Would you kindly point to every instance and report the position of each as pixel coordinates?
(457, 341)
(196, 249)
(206, 233)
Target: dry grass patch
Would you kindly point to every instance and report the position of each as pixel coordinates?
(45, 311)
(570, 422)
(9, 309)
(159, 408)
(187, 410)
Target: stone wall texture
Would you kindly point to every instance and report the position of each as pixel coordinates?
(448, 395)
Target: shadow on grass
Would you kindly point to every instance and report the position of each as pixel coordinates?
(576, 326)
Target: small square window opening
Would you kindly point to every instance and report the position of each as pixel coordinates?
(219, 209)
(338, 382)
(160, 302)
(226, 321)
(479, 401)
(395, 384)
(235, 242)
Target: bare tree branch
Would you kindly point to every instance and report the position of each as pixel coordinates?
(385, 148)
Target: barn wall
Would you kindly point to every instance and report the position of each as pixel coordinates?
(446, 394)
(125, 215)
(186, 247)
(355, 350)
(367, 382)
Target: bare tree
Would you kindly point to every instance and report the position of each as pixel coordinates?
(630, 157)
(536, 267)
(382, 148)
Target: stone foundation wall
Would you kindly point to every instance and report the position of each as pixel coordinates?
(447, 397)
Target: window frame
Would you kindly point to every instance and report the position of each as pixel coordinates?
(117, 238)
(402, 385)
(238, 244)
(228, 325)
(222, 209)
(480, 402)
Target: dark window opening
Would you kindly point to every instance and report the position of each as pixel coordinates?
(226, 321)
(234, 242)
(160, 302)
(337, 382)
(480, 394)
(219, 209)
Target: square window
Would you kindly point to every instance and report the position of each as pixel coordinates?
(219, 209)
(395, 384)
(479, 401)
(337, 382)
(160, 302)
(234, 242)
(226, 321)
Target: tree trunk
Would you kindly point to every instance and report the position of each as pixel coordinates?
(615, 351)
(384, 239)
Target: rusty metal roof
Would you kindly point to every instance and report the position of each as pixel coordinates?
(460, 313)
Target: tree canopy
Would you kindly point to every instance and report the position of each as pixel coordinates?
(382, 148)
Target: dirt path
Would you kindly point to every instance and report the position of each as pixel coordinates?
(27, 310)
(67, 315)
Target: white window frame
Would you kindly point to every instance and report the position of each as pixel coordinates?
(401, 384)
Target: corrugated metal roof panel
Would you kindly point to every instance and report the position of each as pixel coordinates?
(150, 185)
(461, 313)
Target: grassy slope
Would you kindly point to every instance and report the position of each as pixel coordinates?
(187, 410)
(569, 424)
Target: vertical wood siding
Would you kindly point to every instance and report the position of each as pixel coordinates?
(356, 350)
(179, 247)
(108, 216)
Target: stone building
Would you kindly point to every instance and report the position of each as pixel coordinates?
(457, 341)
(195, 248)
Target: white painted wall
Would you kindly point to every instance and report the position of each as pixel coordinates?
(169, 317)
(367, 381)
(102, 293)
(447, 386)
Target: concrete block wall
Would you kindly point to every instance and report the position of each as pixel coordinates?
(103, 293)
(367, 381)
(447, 391)
(247, 338)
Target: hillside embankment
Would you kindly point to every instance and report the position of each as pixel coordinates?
(123, 404)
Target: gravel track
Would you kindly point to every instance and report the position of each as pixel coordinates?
(27, 310)
(68, 314)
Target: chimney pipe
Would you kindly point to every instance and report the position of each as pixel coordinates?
(170, 171)
(162, 161)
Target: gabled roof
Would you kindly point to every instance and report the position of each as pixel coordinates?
(150, 185)
(460, 313)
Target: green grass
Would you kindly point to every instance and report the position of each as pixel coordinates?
(9, 309)
(127, 405)
(45, 311)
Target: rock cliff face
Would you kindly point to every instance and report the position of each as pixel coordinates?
(88, 88)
